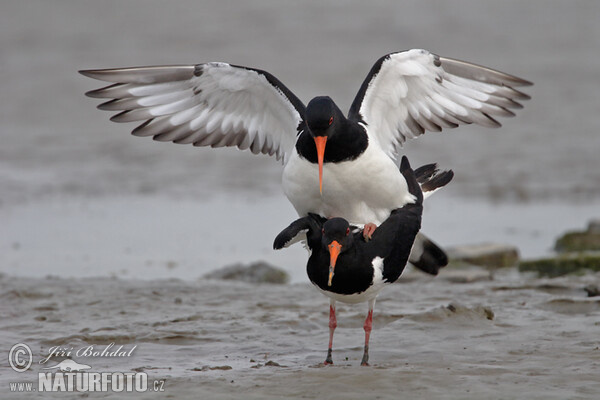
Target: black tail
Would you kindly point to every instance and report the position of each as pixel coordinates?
(411, 180)
(427, 256)
(430, 178)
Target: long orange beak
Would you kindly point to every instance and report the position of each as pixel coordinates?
(320, 143)
(334, 251)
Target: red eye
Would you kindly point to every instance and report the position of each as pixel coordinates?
(347, 231)
(330, 120)
(323, 231)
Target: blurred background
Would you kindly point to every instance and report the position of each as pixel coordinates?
(80, 196)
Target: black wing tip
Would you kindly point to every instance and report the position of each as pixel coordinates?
(101, 93)
(93, 73)
(87, 72)
(521, 81)
(279, 243)
(106, 106)
(521, 95)
(437, 181)
(292, 230)
(425, 172)
(282, 238)
(514, 80)
(461, 68)
(120, 117)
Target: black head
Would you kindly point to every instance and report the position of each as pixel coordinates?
(337, 229)
(337, 238)
(321, 116)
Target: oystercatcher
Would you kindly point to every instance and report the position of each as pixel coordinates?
(404, 95)
(347, 268)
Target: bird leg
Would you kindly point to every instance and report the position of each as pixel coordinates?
(332, 326)
(368, 230)
(368, 326)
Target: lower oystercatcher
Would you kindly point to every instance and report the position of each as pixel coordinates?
(405, 94)
(347, 268)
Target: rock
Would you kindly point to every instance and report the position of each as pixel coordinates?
(465, 275)
(592, 290)
(594, 226)
(268, 364)
(209, 368)
(466, 314)
(258, 272)
(574, 263)
(489, 255)
(480, 310)
(273, 364)
(579, 241)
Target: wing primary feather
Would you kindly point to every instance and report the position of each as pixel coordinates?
(480, 73)
(145, 75)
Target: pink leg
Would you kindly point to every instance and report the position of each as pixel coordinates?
(368, 230)
(368, 326)
(332, 326)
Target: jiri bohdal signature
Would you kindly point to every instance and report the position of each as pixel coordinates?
(88, 351)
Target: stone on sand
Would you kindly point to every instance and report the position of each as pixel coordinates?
(588, 240)
(489, 255)
(465, 275)
(594, 226)
(257, 272)
(564, 264)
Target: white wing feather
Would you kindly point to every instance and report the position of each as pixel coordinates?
(213, 104)
(414, 91)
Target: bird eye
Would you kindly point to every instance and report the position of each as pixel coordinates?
(330, 120)
(323, 231)
(347, 231)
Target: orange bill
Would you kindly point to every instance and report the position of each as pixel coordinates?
(334, 251)
(320, 143)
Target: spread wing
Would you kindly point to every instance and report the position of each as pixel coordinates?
(410, 92)
(212, 104)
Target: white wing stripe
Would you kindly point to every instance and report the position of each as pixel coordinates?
(450, 105)
(200, 120)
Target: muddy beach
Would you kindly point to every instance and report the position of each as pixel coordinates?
(512, 336)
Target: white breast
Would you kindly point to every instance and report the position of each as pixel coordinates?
(362, 190)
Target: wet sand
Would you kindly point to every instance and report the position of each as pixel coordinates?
(512, 336)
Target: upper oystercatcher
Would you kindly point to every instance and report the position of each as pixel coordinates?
(345, 267)
(404, 95)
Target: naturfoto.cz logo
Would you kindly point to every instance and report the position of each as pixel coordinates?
(71, 376)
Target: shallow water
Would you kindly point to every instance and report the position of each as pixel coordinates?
(153, 237)
(125, 227)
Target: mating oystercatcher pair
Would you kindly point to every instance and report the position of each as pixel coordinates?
(346, 267)
(334, 166)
